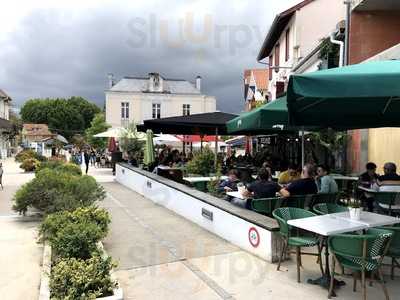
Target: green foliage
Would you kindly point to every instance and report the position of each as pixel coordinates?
(76, 279)
(79, 141)
(129, 141)
(91, 214)
(51, 191)
(65, 117)
(30, 164)
(61, 166)
(202, 163)
(50, 164)
(97, 125)
(212, 185)
(24, 154)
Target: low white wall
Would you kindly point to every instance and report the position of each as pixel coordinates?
(234, 229)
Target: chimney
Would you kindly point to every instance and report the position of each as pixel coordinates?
(110, 80)
(198, 83)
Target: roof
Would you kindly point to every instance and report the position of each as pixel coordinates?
(141, 85)
(261, 78)
(278, 25)
(36, 130)
(4, 96)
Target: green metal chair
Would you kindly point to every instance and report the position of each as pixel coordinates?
(388, 202)
(394, 248)
(329, 208)
(265, 206)
(325, 198)
(292, 237)
(361, 253)
(298, 201)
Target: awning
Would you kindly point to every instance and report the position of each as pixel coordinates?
(365, 95)
(197, 124)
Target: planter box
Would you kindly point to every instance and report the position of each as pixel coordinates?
(44, 292)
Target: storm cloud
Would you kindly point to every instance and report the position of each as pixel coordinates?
(59, 52)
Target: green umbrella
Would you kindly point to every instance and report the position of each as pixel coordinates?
(267, 119)
(365, 95)
(149, 149)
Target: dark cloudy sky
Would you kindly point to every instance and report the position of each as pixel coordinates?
(66, 48)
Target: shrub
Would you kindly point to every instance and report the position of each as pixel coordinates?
(61, 166)
(73, 278)
(30, 164)
(25, 154)
(51, 191)
(55, 222)
(202, 163)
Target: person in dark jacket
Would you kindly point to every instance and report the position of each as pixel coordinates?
(230, 184)
(86, 156)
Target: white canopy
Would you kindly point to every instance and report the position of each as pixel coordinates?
(165, 139)
(117, 132)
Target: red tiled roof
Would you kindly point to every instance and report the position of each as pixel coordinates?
(36, 129)
(261, 78)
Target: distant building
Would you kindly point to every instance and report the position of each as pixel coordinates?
(255, 87)
(35, 136)
(134, 99)
(5, 125)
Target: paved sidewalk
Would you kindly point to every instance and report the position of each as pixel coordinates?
(21, 256)
(163, 256)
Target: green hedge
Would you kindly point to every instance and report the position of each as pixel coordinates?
(73, 278)
(52, 191)
(61, 166)
(30, 164)
(25, 154)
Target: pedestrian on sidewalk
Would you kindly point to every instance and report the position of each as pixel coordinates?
(1, 175)
(86, 157)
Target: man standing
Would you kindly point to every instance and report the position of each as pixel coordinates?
(1, 175)
(86, 157)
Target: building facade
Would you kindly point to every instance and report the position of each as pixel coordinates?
(34, 136)
(293, 40)
(255, 87)
(374, 35)
(5, 125)
(135, 99)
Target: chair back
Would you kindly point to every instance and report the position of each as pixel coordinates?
(298, 201)
(325, 198)
(366, 251)
(284, 214)
(386, 200)
(265, 206)
(394, 247)
(329, 208)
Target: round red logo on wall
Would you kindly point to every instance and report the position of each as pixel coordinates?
(254, 237)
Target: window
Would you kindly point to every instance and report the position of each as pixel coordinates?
(186, 109)
(124, 110)
(277, 57)
(270, 62)
(287, 44)
(156, 110)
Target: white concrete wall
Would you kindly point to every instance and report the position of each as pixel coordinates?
(224, 224)
(140, 105)
(4, 109)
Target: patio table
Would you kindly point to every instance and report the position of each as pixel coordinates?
(337, 223)
(236, 195)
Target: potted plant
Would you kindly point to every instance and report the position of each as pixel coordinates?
(355, 209)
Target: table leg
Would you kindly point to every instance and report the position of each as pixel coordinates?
(325, 279)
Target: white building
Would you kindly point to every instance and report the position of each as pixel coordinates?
(134, 99)
(292, 42)
(5, 125)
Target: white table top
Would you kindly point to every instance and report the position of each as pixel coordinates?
(340, 223)
(201, 179)
(342, 177)
(236, 195)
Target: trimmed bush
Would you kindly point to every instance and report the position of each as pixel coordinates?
(25, 154)
(61, 166)
(202, 163)
(73, 278)
(30, 164)
(53, 223)
(52, 191)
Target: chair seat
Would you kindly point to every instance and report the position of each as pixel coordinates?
(302, 241)
(356, 264)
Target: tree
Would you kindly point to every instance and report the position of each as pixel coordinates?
(97, 125)
(66, 117)
(130, 141)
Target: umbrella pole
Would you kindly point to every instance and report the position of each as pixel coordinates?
(216, 148)
(201, 143)
(302, 147)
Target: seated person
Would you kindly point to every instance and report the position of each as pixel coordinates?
(390, 181)
(266, 165)
(263, 187)
(369, 177)
(230, 184)
(289, 175)
(304, 186)
(325, 182)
